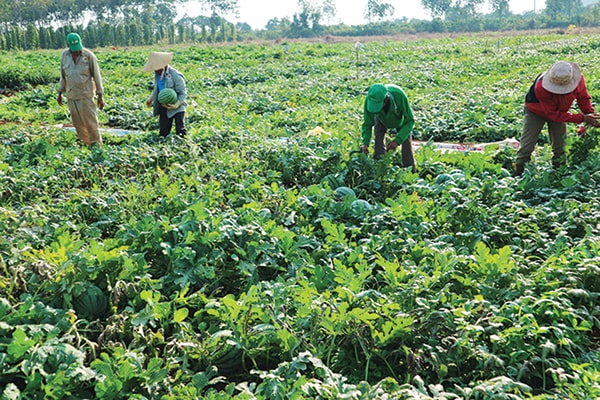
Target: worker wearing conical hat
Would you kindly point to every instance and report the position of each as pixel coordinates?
(165, 76)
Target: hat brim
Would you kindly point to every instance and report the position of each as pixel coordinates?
(157, 60)
(374, 106)
(562, 89)
(75, 47)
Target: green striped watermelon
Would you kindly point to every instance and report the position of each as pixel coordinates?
(91, 304)
(361, 207)
(334, 181)
(344, 191)
(167, 96)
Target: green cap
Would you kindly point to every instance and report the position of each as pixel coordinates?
(74, 42)
(375, 98)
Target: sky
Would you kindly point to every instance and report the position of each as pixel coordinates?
(257, 13)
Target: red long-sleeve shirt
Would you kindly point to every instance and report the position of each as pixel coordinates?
(555, 107)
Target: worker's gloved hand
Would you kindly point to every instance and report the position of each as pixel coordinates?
(364, 148)
(173, 106)
(393, 145)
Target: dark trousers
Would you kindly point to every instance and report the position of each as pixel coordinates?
(165, 123)
(408, 158)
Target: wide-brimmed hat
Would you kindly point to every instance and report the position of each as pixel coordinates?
(74, 42)
(376, 97)
(157, 60)
(562, 77)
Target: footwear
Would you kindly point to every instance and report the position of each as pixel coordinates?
(519, 169)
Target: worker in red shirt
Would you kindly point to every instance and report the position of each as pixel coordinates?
(548, 101)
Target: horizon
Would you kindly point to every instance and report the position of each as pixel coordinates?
(255, 16)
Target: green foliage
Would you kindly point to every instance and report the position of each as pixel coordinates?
(19, 71)
(260, 257)
(581, 147)
(40, 355)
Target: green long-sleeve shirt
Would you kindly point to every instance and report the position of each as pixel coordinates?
(399, 117)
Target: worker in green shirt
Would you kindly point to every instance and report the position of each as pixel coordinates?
(386, 109)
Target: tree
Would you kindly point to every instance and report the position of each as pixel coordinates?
(307, 22)
(277, 28)
(32, 37)
(13, 39)
(171, 33)
(181, 33)
(437, 8)
(147, 33)
(45, 38)
(300, 26)
(120, 35)
(213, 24)
(378, 10)
(243, 27)
(558, 9)
(90, 36)
(273, 24)
(203, 33)
(500, 7)
(106, 34)
(39, 12)
(463, 10)
(328, 10)
(594, 14)
(221, 7)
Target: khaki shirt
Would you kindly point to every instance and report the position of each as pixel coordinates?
(80, 79)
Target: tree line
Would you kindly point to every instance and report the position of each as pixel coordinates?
(43, 24)
(132, 33)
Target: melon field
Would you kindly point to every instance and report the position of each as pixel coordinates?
(262, 257)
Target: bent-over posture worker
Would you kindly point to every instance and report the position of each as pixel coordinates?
(548, 101)
(386, 109)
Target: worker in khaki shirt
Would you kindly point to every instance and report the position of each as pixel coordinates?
(80, 79)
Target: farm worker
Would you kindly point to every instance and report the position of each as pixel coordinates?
(548, 102)
(81, 80)
(166, 76)
(386, 108)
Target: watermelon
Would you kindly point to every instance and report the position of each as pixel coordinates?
(229, 359)
(91, 304)
(344, 191)
(167, 96)
(360, 207)
(264, 213)
(334, 181)
(443, 178)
